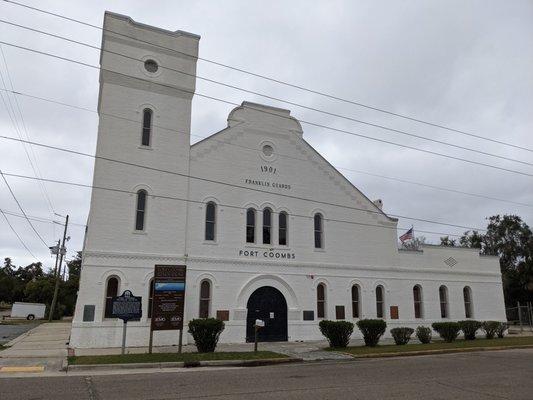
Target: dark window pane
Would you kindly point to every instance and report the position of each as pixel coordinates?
(210, 221)
(379, 302)
(141, 206)
(320, 312)
(318, 222)
(468, 303)
(111, 291)
(282, 234)
(204, 308)
(443, 302)
(355, 301)
(267, 225)
(205, 298)
(318, 231)
(320, 293)
(250, 225)
(147, 127)
(205, 290)
(139, 223)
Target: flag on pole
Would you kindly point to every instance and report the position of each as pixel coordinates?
(407, 235)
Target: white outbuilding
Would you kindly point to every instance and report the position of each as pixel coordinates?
(266, 227)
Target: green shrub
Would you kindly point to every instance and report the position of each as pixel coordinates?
(337, 332)
(469, 328)
(206, 333)
(490, 328)
(401, 335)
(372, 330)
(423, 334)
(501, 329)
(447, 330)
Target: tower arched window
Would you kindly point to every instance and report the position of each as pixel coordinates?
(250, 225)
(380, 302)
(110, 292)
(267, 226)
(321, 300)
(356, 301)
(140, 212)
(146, 137)
(283, 238)
(210, 221)
(443, 298)
(417, 299)
(205, 299)
(319, 231)
(467, 296)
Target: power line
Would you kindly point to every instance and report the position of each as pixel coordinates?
(22, 209)
(259, 151)
(377, 211)
(17, 235)
(402, 132)
(44, 220)
(232, 206)
(274, 114)
(278, 81)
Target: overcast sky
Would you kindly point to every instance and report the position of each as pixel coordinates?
(463, 64)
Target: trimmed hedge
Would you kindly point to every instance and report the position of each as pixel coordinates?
(490, 328)
(206, 332)
(469, 328)
(337, 332)
(501, 329)
(401, 335)
(447, 330)
(372, 330)
(423, 334)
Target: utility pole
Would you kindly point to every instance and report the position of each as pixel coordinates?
(62, 252)
(55, 250)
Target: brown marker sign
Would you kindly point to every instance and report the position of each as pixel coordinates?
(168, 298)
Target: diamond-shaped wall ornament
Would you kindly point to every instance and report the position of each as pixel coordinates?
(450, 262)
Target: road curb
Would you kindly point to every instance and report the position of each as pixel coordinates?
(20, 337)
(184, 364)
(437, 351)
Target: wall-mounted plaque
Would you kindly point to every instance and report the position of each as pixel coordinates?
(88, 313)
(223, 315)
(339, 312)
(169, 297)
(309, 315)
(394, 313)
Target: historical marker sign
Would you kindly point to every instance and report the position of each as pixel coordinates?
(169, 297)
(127, 307)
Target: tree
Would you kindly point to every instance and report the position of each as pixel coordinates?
(473, 240)
(446, 241)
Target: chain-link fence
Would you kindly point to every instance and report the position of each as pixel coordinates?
(520, 316)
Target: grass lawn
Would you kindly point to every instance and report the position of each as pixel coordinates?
(459, 344)
(172, 357)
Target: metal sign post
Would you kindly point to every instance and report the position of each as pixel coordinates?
(168, 300)
(258, 324)
(127, 307)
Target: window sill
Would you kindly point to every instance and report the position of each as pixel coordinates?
(210, 242)
(141, 147)
(140, 233)
(321, 250)
(266, 247)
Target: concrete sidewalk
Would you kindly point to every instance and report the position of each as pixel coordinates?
(42, 348)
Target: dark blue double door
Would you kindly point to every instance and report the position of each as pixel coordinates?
(267, 304)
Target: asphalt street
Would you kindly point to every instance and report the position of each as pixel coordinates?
(10, 332)
(483, 375)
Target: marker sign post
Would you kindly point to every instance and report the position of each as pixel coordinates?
(127, 307)
(168, 300)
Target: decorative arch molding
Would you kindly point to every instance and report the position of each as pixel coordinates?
(206, 276)
(267, 204)
(142, 186)
(207, 199)
(147, 278)
(267, 280)
(113, 272)
(248, 205)
(146, 105)
(318, 281)
(355, 282)
(318, 211)
(380, 283)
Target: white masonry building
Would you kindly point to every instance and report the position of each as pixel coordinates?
(266, 227)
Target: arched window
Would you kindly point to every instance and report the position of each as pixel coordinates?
(321, 301)
(282, 227)
(205, 298)
(467, 295)
(355, 301)
(140, 210)
(150, 298)
(210, 211)
(379, 302)
(443, 297)
(267, 226)
(110, 292)
(147, 127)
(318, 231)
(417, 299)
(250, 225)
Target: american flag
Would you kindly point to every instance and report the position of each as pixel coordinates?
(407, 235)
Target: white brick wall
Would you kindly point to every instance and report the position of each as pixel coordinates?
(362, 251)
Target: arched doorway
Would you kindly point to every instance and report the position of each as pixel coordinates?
(268, 304)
